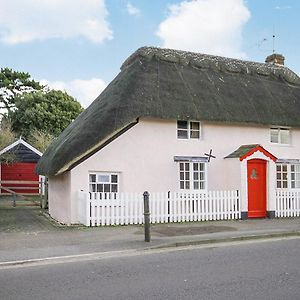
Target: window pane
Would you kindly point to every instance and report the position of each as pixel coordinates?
(196, 176)
(195, 166)
(182, 185)
(187, 176)
(195, 126)
(92, 178)
(201, 166)
(187, 166)
(182, 134)
(92, 188)
(181, 166)
(284, 184)
(182, 124)
(187, 185)
(106, 188)
(103, 178)
(284, 168)
(274, 135)
(278, 184)
(196, 185)
(114, 178)
(284, 136)
(114, 188)
(195, 134)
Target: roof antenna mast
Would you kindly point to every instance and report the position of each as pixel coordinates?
(273, 38)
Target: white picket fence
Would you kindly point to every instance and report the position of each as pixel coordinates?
(287, 203)
(100, 209)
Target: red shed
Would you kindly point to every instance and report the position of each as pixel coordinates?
(16, 175)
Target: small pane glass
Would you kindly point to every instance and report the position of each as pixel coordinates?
(114, 188)
(284, 184)
(103, 178)
(187, 176)
(181, 166)
(195, 166)
(182, 134)
(196, 185)
(196, 176)
(195, 134)
(92, 178)
(293, 184)
(181, 176)
(279, 176)
(187, 166)
(284, 168)
(182, 185)
(195, 126)
(92, 188)
(284, 136)
(274, 135)
(114, 178)
(182, 124)
(201, 166)
(187, 185)
(278, 184)
(201, 176)
(106, 188)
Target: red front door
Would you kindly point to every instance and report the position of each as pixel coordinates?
(257, 195)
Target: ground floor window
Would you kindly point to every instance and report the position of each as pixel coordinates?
(104, 182)
(192, 176)
(288, 176)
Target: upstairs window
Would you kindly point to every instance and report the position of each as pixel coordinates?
(280, 135)
(188, 129)
(104, 182)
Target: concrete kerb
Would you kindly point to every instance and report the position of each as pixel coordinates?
(229, 239)
(146, 250)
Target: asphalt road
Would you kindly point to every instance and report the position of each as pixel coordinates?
(257, 270)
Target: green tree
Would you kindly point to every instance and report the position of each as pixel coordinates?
(7, 136)
(13, 84)
(49, 112)
(40, 139)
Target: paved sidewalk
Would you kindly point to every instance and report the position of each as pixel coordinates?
(27, 233)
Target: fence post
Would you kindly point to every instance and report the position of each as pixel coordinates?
(147, 216)
(14, 200)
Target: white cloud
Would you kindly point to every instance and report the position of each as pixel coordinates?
(132, 10)
(207, 26)
(24, 21)
(85, 91)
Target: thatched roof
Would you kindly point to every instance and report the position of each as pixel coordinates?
(170, 84)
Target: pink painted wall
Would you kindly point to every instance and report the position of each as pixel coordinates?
(144, 158)
(59, 193)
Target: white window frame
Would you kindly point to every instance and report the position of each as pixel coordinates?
(190, 179)
(114, 187)
(279, 131)
(288, 176)
(189, 130)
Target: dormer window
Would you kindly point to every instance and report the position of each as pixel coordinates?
(279, 135)
(188, 129)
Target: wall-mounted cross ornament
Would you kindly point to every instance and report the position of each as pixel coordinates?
(209, 155)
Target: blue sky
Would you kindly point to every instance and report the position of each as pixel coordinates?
(79, 45)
